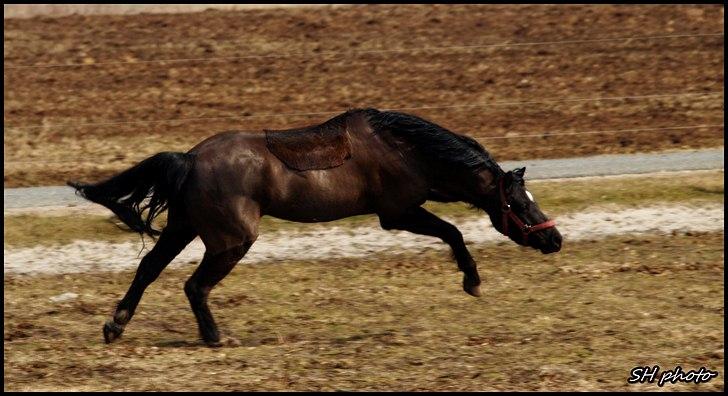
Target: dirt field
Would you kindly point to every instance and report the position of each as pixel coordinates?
(580, 319)
(90, 114)
(31, 10)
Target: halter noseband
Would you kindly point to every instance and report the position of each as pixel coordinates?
(508, 213)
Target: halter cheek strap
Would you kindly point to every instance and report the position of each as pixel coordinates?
(508, 213)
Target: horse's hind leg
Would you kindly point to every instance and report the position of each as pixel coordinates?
(173, 239)
(226, 244)
(212, 270)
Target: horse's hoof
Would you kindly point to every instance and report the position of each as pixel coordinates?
(473, 290)
(472, 286)
(213, 344)
(112, 331)
(231, 342)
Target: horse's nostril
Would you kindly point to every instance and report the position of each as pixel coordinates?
(556, 239)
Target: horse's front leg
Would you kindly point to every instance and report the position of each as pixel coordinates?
(420, 221)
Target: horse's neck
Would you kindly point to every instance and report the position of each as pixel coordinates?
(488, 191)
(475, 189)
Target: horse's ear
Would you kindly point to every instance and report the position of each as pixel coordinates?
(509, 178)
(520, 172)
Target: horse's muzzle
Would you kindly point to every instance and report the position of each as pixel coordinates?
(552, 242)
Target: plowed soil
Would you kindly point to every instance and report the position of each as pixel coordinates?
(84, 109)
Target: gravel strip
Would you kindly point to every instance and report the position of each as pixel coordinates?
(342, 242)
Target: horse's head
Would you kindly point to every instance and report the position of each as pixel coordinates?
(516, 215)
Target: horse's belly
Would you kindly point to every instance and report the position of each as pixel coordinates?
(303, 213)
(319, 196)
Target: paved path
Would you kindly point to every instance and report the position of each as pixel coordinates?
(620, 164)
(600, 165)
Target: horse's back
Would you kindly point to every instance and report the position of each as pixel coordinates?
(372, 178)
(315, 147)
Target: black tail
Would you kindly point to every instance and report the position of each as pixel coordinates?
(159, 178)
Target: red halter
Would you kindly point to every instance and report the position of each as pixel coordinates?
(507, 212)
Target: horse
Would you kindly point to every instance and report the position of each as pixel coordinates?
(362, 161)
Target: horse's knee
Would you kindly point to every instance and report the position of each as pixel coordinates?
(189, 289)
(194, 292)
(453, 237)
(214, 267)
(451, 233)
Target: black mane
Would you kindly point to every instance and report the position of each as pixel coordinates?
(434, 141)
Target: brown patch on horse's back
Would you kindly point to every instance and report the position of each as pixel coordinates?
(315, 147)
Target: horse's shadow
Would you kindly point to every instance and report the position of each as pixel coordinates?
(179, 344)
(226, 342)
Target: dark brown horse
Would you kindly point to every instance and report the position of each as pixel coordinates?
(359, 162)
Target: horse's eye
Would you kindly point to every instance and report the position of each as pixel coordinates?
(519, 206)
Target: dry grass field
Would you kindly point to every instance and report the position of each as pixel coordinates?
(580, 319)
(577, 320)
